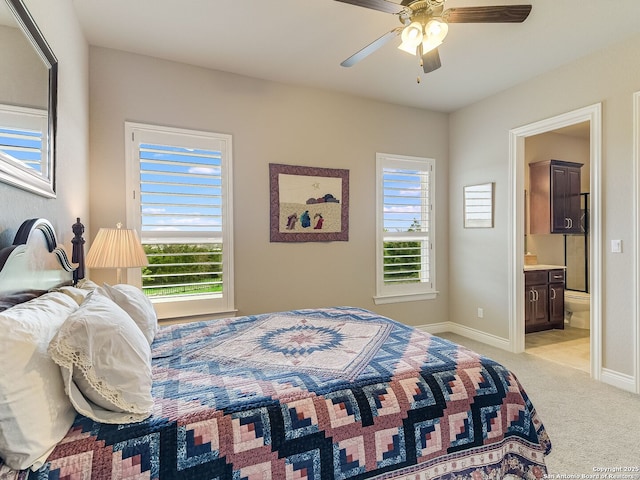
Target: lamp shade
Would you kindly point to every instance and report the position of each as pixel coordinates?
(435, 31)
(411, 38)
(116, 248)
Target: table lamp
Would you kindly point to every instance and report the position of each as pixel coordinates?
(116, 248)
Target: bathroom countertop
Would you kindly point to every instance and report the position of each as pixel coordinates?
(528, 268)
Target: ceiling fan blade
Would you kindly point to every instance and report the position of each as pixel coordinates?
(490, 14)
(380, 5)
(431, 61)
(372, 47)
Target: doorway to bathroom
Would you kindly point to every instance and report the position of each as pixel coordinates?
(562, 249)
(574, 138)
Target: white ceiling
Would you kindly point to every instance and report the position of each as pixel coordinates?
(303, 42)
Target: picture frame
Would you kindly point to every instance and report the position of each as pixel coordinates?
(478, 203)
(308, 204)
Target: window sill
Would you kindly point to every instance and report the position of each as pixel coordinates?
(196, 318)
(201, 307)
(407, 297)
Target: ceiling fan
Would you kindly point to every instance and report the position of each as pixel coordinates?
(425, 24)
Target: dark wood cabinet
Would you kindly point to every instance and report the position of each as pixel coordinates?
(544, 300)
(537, 309)
(556, 298)
(555, 197)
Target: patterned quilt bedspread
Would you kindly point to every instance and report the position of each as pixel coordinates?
(314, 394)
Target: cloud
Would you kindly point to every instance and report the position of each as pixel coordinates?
(404, 209)
(184, 223)
(205, 170)
(151, 210)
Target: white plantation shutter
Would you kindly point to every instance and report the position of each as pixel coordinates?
(24, 145)
(478, 205)
(405, 236)
(22, 137)
(181, 203)
(180, 192)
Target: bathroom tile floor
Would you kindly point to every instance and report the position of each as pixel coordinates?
(568, 347)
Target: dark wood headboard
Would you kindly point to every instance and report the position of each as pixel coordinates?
(35, 261)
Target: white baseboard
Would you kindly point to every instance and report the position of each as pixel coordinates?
(467, 332)
(620, 380)
(435, 328)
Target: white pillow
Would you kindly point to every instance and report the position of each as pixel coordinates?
(78, 294)
(105, 362)
(35, 413)
(137, 305)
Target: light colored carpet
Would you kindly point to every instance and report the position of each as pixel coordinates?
(591, 425)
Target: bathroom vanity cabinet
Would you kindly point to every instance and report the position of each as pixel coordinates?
(555, 197)
(543, 299)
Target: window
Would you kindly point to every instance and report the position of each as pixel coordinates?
(21, 136)
(405, 229)
(24, 159)
(180, 202)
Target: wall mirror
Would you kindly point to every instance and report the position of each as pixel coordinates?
(28, 101)
(478, 206)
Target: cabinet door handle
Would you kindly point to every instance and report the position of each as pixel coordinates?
(536, 295)
(553, 293)
(571, 223)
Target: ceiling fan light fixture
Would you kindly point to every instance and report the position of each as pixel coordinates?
(411, 37)
(425, 24)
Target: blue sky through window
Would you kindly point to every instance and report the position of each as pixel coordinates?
(181, 189)
(22, 144)
(405, 195)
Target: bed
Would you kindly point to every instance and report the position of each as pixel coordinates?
(325, 393)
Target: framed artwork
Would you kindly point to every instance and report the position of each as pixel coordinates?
(478, 206)
(308, 204)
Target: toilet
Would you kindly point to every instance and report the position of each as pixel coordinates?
(577, 306)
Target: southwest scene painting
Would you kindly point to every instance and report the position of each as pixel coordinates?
(309, 204)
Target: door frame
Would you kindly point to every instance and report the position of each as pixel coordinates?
(516, 225)
(636, 240)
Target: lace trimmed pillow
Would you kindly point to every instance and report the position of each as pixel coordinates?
(105, 362)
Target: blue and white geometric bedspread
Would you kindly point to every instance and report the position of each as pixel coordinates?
(314, 394)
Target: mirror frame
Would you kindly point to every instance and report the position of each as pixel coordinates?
(10, 172)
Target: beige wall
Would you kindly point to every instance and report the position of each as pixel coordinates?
(479, 151)
(57, 21)
(24, 73)
(271, 123)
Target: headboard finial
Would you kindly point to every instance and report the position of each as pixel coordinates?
(77, 254)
